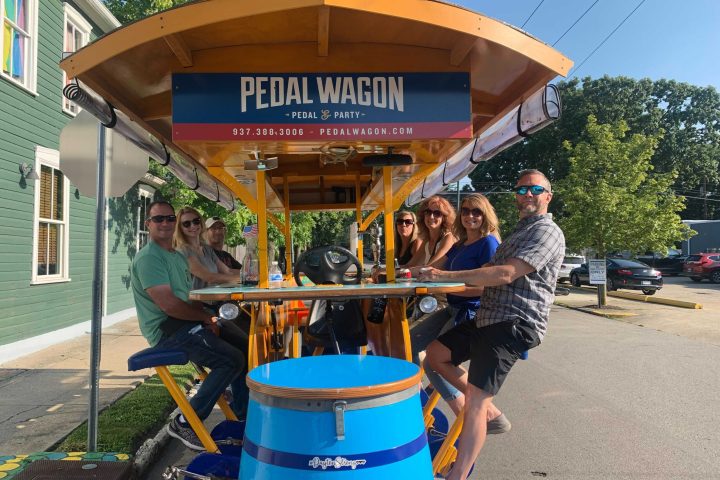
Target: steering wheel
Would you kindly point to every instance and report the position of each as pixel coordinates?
(327, 264)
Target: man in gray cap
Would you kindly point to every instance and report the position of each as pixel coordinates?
(215, 230)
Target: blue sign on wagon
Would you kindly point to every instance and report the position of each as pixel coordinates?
(323, 106)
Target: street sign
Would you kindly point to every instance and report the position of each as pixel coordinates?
(598, 272)
(125, 163)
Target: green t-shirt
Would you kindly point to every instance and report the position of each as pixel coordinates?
(153, 266)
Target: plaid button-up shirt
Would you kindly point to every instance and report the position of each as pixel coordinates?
(539, 242)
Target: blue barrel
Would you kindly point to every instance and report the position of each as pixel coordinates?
(335, 417)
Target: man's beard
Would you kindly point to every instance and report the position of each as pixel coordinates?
(528, 208)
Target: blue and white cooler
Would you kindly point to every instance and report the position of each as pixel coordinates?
(335, 417)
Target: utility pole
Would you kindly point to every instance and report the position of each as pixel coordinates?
(458, 196)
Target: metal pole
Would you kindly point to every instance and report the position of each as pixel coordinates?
(97, 290)
(458, 196)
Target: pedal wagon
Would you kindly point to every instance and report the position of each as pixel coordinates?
(317, 105)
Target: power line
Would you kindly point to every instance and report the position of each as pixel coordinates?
(575, 23)
(574, 70)
(702, 198)
(533, 13)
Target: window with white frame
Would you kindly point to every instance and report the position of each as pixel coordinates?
(51, 231)
(18, 42)
(77, 35)
(145, 195)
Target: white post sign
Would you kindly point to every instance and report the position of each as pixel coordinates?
(597, 271)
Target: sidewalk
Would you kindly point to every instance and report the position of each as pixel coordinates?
(44, 396)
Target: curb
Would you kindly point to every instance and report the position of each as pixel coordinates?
(653, 299)
(597, 312)
(645, 298)
(151, 449)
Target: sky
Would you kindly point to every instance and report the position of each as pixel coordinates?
(672, 39)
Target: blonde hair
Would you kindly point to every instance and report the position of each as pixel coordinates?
(179, 238)
(413, 235)
(490, 224)
(448, 216)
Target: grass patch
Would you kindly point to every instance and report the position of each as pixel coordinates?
(124, 425)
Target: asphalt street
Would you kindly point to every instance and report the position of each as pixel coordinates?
(606, 399)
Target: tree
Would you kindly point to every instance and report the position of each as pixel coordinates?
(612, 199)
(331, 228)
(127, 11)
(688, 115)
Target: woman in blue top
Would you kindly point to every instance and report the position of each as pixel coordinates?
(478, 236)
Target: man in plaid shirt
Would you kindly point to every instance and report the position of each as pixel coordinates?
(515, 305)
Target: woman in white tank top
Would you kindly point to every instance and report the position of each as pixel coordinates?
(435, 220)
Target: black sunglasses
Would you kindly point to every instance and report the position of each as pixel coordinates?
(434, 213)
(534, 189)
(405, 221)
(194, 221)
(163, 218)
(475, 212)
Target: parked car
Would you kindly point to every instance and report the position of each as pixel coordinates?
(671, 264)
(703, 265)
(621, 273)
(569, 262)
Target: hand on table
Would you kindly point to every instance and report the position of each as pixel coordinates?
(429, 274)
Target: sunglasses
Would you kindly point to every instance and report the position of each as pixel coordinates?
(405, 221)
(534, 189)
(434, 213)
(194, 221)
(475, 212)
(163, 218)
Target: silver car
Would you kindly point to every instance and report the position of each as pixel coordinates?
(569, 262)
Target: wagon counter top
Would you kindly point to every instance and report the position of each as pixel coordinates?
(319, 292)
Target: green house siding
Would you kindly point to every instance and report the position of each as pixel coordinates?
(28, 121)
(122, 238)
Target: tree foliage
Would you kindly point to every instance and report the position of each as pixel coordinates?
(127, 11)
(612, 198)
(688, 116)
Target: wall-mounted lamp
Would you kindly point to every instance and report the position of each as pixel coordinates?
(28, 172)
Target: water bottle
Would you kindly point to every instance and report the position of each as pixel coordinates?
(275, 276)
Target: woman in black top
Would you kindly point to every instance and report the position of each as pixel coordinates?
(406, 241)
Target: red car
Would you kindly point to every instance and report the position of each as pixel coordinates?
(703, 265)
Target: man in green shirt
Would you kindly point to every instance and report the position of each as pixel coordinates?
(161, 281)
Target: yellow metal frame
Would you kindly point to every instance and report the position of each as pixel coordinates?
(221, 402)
(186, 409)
(447, 453)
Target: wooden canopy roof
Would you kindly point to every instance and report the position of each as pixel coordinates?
(132, 68)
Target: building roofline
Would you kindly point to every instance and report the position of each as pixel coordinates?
(99, 14)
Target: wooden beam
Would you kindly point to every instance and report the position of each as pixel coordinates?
(180, 49)
(325, 207)
(323, 31)
(461, 50)
(239, 190)
(156, 107)
(483, 109)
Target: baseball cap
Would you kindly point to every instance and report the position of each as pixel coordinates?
(212, 221)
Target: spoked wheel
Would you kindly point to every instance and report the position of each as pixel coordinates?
(575, 280)
(328, 264)
(611, 285)
(715, 277)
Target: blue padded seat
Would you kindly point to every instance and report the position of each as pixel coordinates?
(152, 357)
